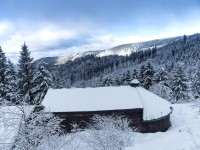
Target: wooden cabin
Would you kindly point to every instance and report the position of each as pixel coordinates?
(147, 111)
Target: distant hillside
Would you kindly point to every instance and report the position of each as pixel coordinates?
(121, 50)
(116, 66)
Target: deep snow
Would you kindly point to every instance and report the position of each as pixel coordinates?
(185, 120)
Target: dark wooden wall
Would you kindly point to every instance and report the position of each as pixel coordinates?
(157, 125)
(83, 118)
(135, 115)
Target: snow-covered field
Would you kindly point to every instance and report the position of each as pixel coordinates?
(185, 129)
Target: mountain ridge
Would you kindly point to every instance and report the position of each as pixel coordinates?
(120, 50)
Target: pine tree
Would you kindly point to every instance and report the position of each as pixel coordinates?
(41, 81)
(8, 88)
(127, 77)
(123, 79)
(141, 74)
(3, 68)
(179, 86)
(106, 82)
(162, 77)
(11, 80)
(117, 82)
(135, 74)
(196, 82)
(161, 86)
(25, 75)
(148, 76)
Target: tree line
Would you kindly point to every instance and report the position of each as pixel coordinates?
(27, 84)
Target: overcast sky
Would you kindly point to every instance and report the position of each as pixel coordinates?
(56, 27)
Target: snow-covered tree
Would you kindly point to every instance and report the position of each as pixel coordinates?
(83, 84)
(161, 86)
(41, 82)
(7, 81)
(141, 74)
(127, 77)
(23, 129)
(163, 91)
(11, 80)
(35, 128)
(109, 133)
(25, 75)
(135, 74)
(162, 77)
(117, 81)
(148, 76)
(179, 85)
(3, 68)
(196, 81)
(106, 82)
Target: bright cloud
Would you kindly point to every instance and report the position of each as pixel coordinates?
(59, 38)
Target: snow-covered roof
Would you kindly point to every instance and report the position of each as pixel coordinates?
(154, 106)
(106, 98)
(91, 99)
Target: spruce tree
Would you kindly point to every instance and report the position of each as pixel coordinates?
(3, 84)
(127, 77)
(162, 77)
(161, 86)
(25, 75)
(106, 82)
(117, 82)
(123, 79)
(11, 80)
(179, 86)
(196, 82)
(141, 74)
(135, 74)
(148, 76)
(8, 88)
(41, 81)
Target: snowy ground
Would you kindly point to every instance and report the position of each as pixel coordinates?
(182, 135)
(185, 120)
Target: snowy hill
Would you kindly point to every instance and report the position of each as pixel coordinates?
(89, 68)
(121, 50)
(127, 49)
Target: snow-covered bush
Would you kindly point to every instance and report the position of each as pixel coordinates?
(67, 141)
(109, 133)
(162, 91)
(37, 127)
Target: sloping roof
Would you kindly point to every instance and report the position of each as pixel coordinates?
(91, 99)
(106, 98)
(154, 106)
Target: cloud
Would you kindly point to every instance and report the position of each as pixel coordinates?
(56, 29)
